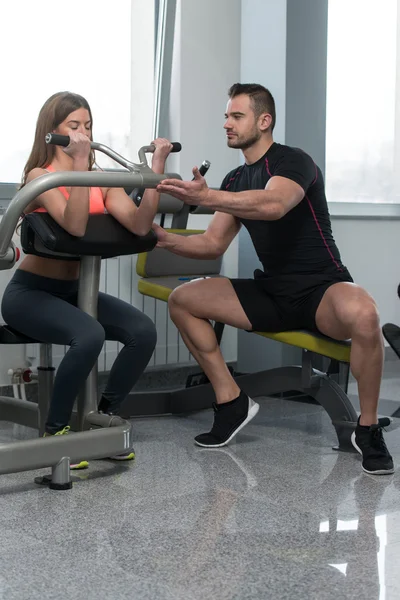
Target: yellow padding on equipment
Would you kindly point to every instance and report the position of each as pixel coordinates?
(314, 343)
(154, 290)
(141, 264)
(142, 257)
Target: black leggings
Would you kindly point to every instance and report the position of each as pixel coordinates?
(45, 310)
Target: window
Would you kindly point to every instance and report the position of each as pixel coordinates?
(92, 47)
(363, 119)
(102, 50)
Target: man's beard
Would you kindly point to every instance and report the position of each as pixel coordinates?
(244, 143)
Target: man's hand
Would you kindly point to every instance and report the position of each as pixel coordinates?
(162, 236)
(195, 192)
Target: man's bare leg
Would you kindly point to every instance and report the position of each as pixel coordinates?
(347, 311)
(191, 307)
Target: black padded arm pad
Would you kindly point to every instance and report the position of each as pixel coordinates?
(104, 237)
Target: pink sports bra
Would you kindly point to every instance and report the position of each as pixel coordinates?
(96, 200)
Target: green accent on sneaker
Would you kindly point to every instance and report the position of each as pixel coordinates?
(63, 431)
(78, 466)
(127, 456)
(83, 464)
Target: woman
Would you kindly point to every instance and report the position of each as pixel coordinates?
(41, 299)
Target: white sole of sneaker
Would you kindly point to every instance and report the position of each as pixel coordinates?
(386, 472)
(253, 410)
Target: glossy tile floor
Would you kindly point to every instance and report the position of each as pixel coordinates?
(278, 515)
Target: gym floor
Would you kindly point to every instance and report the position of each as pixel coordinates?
(277, 515)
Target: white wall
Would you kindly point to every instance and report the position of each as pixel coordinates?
(369, 249)
(263, 53)
(206, 63)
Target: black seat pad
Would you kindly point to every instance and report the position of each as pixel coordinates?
(8, 335)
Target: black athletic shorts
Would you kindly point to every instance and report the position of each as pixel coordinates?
(285, 302)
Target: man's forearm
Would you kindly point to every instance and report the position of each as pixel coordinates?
(252, 204)
(191, 246)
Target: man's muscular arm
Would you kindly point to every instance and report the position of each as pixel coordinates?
(272, 203)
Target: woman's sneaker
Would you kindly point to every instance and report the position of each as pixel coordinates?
(104, 410)
(83, 464)
(229, 419)
(128, 455)
(369, 442)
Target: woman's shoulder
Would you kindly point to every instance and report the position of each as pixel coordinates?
(34, 173)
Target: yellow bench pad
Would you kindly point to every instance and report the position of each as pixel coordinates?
(313, 342)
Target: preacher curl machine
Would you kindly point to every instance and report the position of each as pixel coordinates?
(98, 435)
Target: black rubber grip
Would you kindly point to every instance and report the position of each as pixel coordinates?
(57, 139)
(176, 147)
(205, 165)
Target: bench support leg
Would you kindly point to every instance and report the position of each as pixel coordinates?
(45, 384)
(338, 406)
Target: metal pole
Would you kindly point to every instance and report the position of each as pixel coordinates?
(89, 283)
(61, 475)
(45, 384)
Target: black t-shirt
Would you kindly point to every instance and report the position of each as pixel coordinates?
(302, 241)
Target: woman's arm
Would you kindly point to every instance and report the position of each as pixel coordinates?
(139, 220)
(73, 214)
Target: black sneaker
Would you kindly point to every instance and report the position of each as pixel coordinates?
(369, 442)
(229, 419)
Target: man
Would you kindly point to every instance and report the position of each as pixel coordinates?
(279, 196)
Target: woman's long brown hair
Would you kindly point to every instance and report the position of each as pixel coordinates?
(54, 111)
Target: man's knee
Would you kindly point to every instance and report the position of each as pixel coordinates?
(180, 299)
(365, 319)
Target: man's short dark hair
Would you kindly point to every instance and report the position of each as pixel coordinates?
(261, 98)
